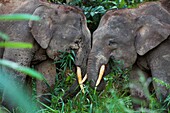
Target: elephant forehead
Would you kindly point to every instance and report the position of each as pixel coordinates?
(117, 34)
(60, 18)
(102, 32)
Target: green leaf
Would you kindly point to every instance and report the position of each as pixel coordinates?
(23, 69)
(17, 95)
(92, 13)
(73, 53)
(114, 7)
(15, 45)
(71, 58)
(4, 36)
(89, 21)
(8, 17)
(49, 108)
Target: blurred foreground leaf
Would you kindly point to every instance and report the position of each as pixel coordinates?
(18, 17)
(14, 94)
(4, 36)
(23, 69)
(15, 45)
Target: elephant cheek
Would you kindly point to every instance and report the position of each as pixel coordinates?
(128, 56)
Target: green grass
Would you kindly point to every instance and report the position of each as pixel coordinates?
(114, 99)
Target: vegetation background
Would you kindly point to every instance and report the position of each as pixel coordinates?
(114, 99)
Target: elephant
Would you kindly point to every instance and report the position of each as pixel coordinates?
(61, 28)
(140, 37)
(8, 6)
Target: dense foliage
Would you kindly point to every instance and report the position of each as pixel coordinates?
(115, 97)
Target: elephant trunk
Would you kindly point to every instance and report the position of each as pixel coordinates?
(81, 63)
(96, 69)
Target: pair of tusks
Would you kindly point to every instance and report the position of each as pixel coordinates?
(80, 81)
(79, 77)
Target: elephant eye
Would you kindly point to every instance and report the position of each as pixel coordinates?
(111, 42)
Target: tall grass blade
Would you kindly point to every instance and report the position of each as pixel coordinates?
(18, 17)
(15, 45)
(4, 36)
(16, 95)
(23, 69)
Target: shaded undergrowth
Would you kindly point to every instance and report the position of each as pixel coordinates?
(114, 99)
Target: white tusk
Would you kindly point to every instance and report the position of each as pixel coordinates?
(79, 77)
(84, 79)
(101, 72)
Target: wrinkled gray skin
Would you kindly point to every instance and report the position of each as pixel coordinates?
(60, 28)
(141, 38)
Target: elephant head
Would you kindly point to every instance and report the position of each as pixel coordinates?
(125, 34)
(62, 28)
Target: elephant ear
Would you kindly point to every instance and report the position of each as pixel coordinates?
(42, 30)
(150, 33)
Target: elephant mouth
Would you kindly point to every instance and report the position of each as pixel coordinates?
(107, 68)
(79, 74)
(76, 68)
(103, 70)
